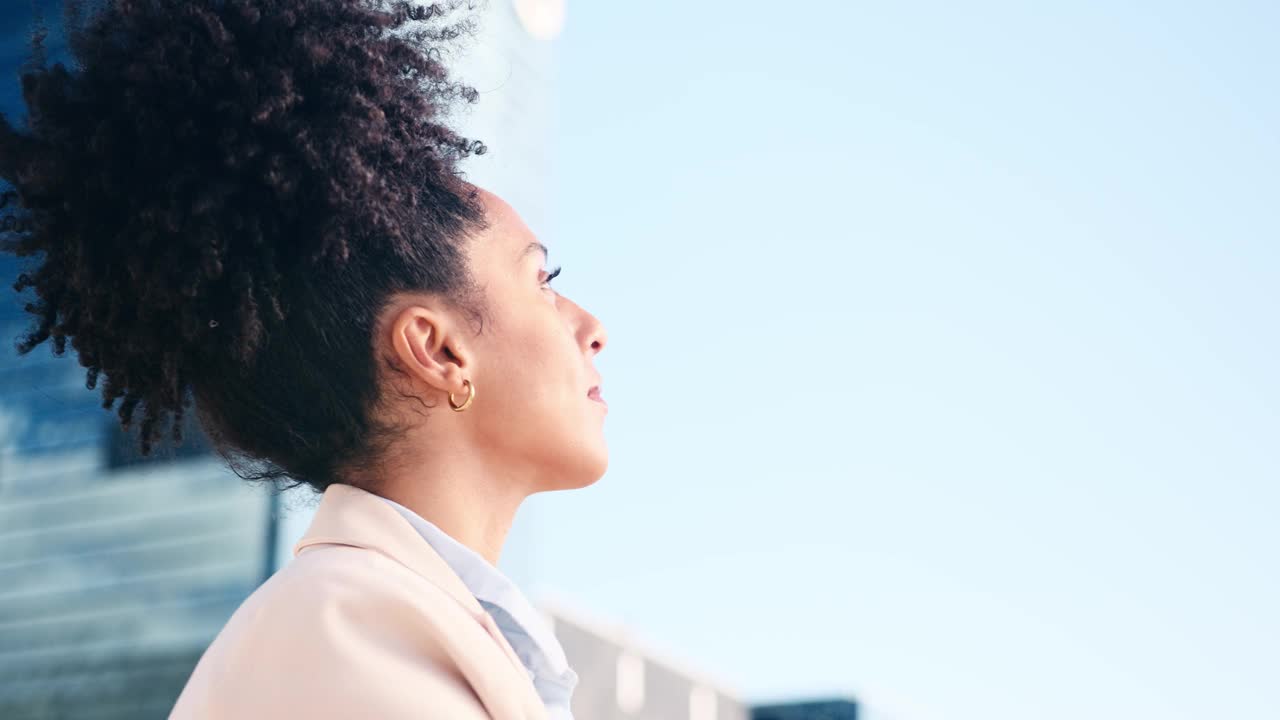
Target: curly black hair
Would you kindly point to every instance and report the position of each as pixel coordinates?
(225, 194)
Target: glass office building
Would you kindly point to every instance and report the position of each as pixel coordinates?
(819, 709)
(114, 573)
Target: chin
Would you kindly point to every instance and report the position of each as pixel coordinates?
(594, 471)
(602, 467)
(584, 471)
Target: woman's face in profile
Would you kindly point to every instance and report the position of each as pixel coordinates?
(535, 360)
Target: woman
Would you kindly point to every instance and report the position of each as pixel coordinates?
(256, 206)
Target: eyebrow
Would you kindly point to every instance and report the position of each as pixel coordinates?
(530, 248)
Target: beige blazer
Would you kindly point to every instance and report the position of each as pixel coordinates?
(365, 621)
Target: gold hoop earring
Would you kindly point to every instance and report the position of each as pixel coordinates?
(471, 393)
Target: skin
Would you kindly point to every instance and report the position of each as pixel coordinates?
(531, 426)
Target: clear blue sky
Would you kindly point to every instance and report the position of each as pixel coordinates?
(943, 349)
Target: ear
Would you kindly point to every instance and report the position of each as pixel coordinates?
(426, 345)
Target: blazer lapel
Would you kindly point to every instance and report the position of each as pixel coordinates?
(348, 515)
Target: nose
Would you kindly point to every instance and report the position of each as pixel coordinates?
(591, 331)
(597, 334)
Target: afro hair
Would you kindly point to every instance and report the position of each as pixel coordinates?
(223, 193)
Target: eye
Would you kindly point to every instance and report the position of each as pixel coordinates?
(552, 276)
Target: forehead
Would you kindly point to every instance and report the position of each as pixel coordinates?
(507, 234)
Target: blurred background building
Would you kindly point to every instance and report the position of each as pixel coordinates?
(117, 571)
(619, 678)
(827, 709)
(114, 573)
(623, 677)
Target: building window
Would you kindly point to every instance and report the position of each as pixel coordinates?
(702, 703)
(122, 450)
(630, 683)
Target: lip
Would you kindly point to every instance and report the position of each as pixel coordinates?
(594, 394)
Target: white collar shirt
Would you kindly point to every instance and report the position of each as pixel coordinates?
(523, 625)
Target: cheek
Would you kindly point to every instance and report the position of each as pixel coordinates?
(545, 362)
(527, 365)
(531, 360)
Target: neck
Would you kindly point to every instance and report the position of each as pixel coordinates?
(472, 501)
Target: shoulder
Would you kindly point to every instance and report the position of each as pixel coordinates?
(329, 587)
(340, 631)
(345, 575)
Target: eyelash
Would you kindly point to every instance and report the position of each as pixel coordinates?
(552, 276)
